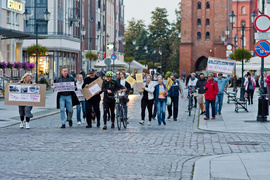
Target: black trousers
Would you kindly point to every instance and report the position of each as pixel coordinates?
(250, 95)
(149, 104)
(174, 103)
(108, 106)
(95, 103)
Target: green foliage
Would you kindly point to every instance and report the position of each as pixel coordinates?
(91, 56)
(240, 54)
(129, 59)
(36, 50)
(143, 62)
(150, 65)
(157, 64)
(167, 75)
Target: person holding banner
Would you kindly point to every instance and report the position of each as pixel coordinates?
(66, 99)
(93, 102)
(147, 99)
(174, 92)
(25, 111)
(160, 100)
(81, 99)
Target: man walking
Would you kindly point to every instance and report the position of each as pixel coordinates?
(221, 84)
(173, 93)
(201, 99)
(211, 90)
(93, 102)
(66, 99)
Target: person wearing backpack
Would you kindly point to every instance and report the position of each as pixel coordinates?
(250, 87)
(211, 90)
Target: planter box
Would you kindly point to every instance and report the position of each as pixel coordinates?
(8, 72)
(22, 72)
(15, 73)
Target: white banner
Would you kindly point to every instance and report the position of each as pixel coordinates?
(63, 86)
(24, 97)
(220, 66)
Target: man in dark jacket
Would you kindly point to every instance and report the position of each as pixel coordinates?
(73, 73)
(94, 101)
(66, 99)
(82, 73)
(173, 93)
(109, 87)
(200, 85)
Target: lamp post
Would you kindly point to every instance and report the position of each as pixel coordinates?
(234, 80)
(243, 27)
(26, 17)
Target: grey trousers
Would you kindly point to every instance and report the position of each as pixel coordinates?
(25, 111)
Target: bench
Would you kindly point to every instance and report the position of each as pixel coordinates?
(240, 104)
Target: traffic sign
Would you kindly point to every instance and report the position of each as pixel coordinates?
(107, 61)
(262, 48)
(113, 57)
(262, 36)
(262, 23)
(229, 47)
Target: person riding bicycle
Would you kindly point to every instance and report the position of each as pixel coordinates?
(109, 87)
(192, 87)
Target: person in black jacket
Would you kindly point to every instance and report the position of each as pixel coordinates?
(109, 87)
(66, 99)
(200, 85)
(94, 101)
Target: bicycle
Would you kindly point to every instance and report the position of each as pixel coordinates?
(121, 110)
(190, 102)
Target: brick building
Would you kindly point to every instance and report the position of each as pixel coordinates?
(203, 23)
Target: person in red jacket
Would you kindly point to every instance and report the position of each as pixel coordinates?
(211, 90)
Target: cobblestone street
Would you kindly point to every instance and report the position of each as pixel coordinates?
(139, 152)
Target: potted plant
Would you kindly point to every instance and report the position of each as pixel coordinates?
(3, 66)
(17, 65)
(240, 54)
(36, 50)
(9, 65)
(91, 56)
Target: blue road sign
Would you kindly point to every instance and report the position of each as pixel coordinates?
(113, 57)
(262, 48)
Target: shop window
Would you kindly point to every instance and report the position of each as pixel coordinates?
(207, 22)
(199, 35)
(207, 36)
(199, 22)
(199, 5)
(207, 5)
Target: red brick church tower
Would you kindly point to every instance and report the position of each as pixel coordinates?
(203, 24)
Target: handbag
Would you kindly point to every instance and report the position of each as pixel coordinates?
(169, 101)
(250, 87)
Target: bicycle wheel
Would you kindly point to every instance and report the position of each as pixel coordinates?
(118, 116)
(124, 116)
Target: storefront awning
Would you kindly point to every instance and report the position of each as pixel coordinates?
(14, 34)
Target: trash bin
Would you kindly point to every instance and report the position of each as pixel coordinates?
(263, 111)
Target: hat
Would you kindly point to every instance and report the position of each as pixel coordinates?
(91, 71)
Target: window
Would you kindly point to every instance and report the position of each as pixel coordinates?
(8, 52)
(207, 22)
(243, 23)
(243, 10)
(99, 4)
(199, 5)
(207, 5)
(207, 36)
(16, 19)
(199, 35)
(8, 17)
(199, 22)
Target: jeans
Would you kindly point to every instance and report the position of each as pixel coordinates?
(174, 103)
(219, 102)
(25, 111)
(78, 107)
(149, 104)
(161, 110)
(66, 101)
(207, 105)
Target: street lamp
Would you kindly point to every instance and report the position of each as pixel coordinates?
(26, 17)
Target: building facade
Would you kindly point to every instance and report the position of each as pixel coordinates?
(203, 24)
(11, 12)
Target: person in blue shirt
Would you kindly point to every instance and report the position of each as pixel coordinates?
(221, 84)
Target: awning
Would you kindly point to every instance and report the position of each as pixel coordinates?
(14, 34)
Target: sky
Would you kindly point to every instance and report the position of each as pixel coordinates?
(141, 9)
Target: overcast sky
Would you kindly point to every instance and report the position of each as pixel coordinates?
(141, 9)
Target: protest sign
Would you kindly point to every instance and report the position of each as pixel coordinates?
(138, 86)
(139, 78)
(79, 93)
(25, 94)
(95, 87)
(130, 80)
(169, 84)
(63, 86)
(216, 65)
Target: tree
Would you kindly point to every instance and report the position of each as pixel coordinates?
(129, 60)
(142, 41)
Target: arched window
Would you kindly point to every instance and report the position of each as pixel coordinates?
(207, 22)
(199, 22)
(243, 10)
(207, 35)
(243, 23)
(199, 35)
(199, 5)
(207, 5)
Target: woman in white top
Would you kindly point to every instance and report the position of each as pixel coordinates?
(81, 99)
(147, 99)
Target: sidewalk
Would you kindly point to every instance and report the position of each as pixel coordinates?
(230, 121)
(9, 115)
(251, 166)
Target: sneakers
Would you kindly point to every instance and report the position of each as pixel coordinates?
(88, 126)
(149, 123)
(219, 113)
(175, 119)
(169, 117)
(202, 113)
(141, 122)
(98, 124)
(63, 126)
(213, 118)
(164, 122)
(79, 123)
(27, 125)
(21, 125)
(105, 127)
(154, 118)
(112, 126)
(206, 118)
(70, 123)
(83, 121)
